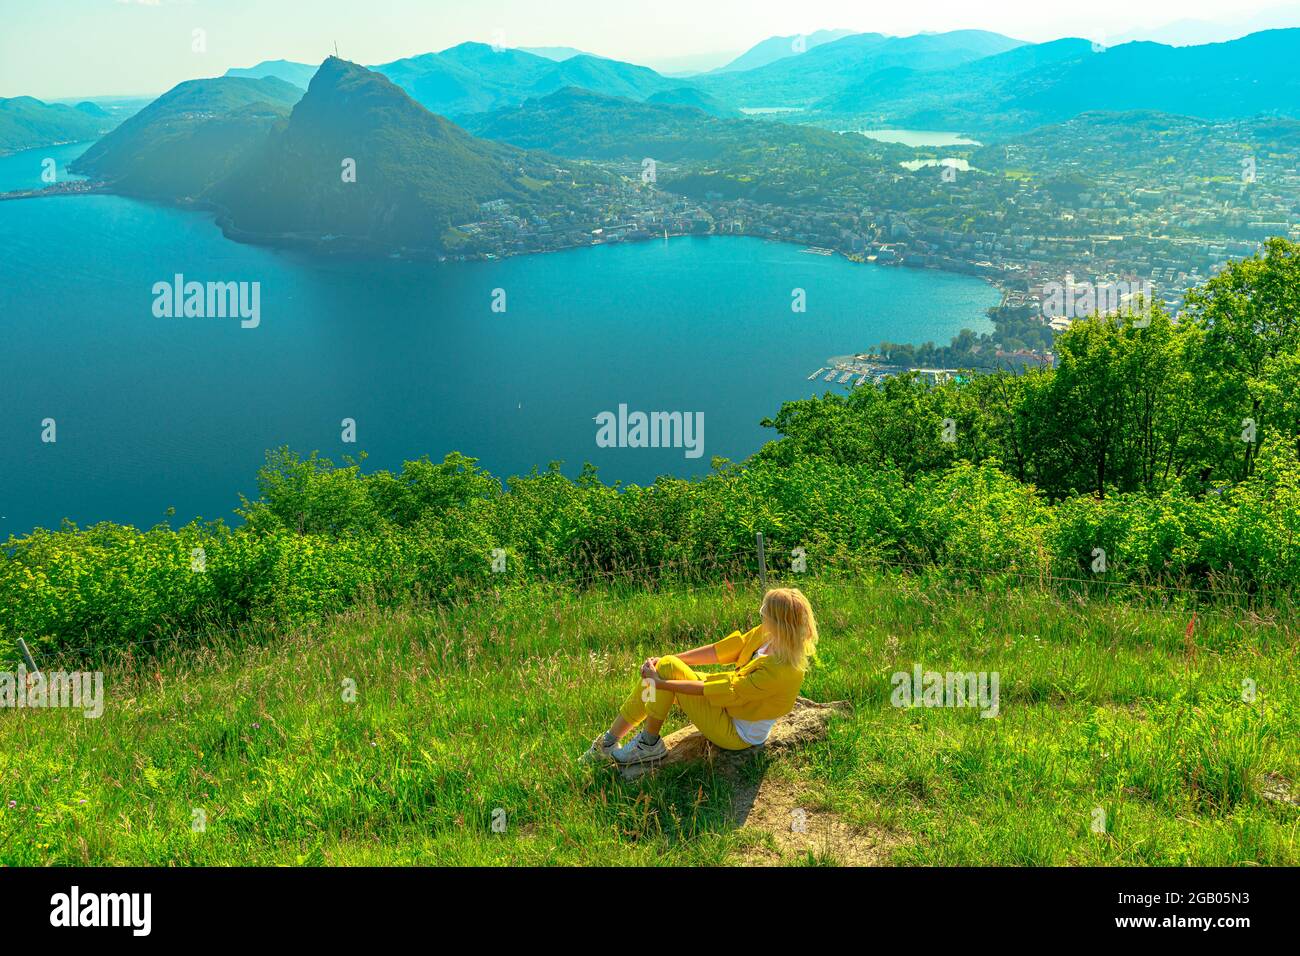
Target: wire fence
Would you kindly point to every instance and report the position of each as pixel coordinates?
(593, 588)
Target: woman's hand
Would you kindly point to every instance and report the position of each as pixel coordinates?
(650, 669)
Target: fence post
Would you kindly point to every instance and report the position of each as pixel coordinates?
(762, 562)
(27, 657)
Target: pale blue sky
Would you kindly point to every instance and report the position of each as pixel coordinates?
(65, 48)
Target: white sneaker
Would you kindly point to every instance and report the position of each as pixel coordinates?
(637, 750)
(599, 750)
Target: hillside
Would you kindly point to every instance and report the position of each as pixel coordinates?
(771, 162)
(190, 138)
(1099, 706)
(416, 173)
(27, 123)
(698, 99)
(580, 123)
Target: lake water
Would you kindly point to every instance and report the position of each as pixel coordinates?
(155, 412)
(916, 137)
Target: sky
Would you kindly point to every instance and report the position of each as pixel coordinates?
(73, 48)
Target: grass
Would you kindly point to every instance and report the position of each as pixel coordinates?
(464, 711)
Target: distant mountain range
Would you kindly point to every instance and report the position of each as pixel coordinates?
(272, 161)
(26, 123)
(805, 78)
(1229, 25)
(475, 77)
(778, 48)
(1032, 86)
(557, 53)
(967, 80)
(297, 74)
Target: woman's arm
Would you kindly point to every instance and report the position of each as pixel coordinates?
(694, 688)
(707, 654)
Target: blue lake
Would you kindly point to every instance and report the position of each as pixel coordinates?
(157, 412)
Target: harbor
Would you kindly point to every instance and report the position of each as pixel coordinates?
(857, 370)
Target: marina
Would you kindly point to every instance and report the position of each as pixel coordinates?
(857, 370)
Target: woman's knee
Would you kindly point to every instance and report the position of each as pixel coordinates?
(670, 667)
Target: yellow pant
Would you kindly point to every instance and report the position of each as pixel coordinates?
(711, 720)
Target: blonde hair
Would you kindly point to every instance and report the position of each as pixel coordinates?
(789, 626)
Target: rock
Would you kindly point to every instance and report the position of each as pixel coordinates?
(807, 722)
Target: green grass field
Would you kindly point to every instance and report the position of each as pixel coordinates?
(461, 711)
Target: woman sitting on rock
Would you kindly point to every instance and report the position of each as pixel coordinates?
(734, 709)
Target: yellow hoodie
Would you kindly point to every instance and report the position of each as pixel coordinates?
(760, 688)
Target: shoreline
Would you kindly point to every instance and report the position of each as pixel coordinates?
(358, 247)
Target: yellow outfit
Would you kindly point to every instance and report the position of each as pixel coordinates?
(760, 688)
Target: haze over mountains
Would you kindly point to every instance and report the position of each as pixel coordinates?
(476, 77)
(778, 48)
(968, 80)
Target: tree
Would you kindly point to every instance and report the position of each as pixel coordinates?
(1250, 316)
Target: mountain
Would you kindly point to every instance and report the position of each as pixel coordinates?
(27, 123)
(1046, 83)
(609, 77)
(190, 137)
(778, 48)
(417, 175)
(92, 109)
(557, 53)
(960, 97)
(801, 80)
(299, 74)
(446, 87)
(474, 78)
(698, 99)
(1255, 74)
